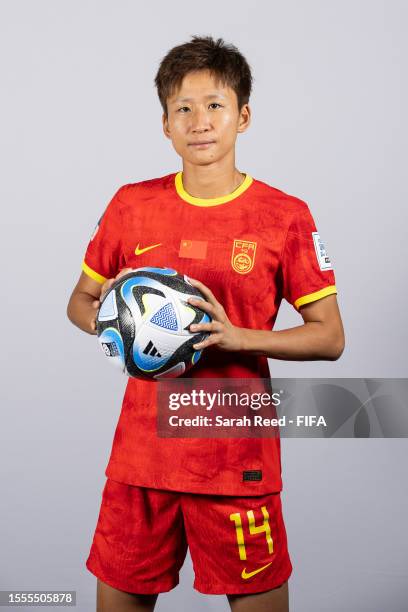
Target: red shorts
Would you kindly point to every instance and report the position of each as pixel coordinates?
(237, 544)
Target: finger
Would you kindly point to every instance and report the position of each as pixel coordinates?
(206, 291)
(215, 326)
(109, 282)
(202, 305)
(212, 339)
(106, 287)
(123, 272)
(216, 311)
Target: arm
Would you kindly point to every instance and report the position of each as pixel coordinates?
(320, 337)
(100, 265)
(85, 300)
(83, 303)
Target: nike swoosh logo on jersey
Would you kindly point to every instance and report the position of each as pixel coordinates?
(246, 574)
(139, 251)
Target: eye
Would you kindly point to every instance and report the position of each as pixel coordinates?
(182, 108)
(216, 104)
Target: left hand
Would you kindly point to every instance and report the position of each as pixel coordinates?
(224, 335)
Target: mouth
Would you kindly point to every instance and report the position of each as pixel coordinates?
(202, 145)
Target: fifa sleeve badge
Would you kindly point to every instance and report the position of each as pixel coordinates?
(321, 253)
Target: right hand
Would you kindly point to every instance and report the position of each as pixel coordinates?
(104, 290)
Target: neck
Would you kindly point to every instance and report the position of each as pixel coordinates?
(211, 180)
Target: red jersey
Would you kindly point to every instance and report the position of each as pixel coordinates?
(252, 248)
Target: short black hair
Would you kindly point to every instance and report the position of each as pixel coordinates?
(225, 62)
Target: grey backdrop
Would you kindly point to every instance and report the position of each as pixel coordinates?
(80, 117)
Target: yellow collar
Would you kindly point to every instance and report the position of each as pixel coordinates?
(178, 180)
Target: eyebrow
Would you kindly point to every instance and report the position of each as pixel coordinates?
(212, 95)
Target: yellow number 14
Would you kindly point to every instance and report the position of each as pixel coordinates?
(264, 527)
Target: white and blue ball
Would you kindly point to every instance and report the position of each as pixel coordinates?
(143, 323)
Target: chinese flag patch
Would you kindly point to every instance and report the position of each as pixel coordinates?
(194, 249)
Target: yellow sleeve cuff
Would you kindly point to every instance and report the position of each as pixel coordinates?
(316, 295)
(92, 274)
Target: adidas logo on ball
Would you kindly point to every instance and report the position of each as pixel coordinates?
(151, 350)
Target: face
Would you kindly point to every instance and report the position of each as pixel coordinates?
(203, 119)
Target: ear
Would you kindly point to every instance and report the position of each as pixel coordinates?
(244, 120)
(166, 129)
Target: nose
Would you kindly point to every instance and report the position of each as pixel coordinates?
(200, 121)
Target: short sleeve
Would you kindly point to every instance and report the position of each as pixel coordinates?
(103, 254)
(306, 267)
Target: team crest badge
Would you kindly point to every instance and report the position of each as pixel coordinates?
(243, 256)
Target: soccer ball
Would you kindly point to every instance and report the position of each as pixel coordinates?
(143, 323)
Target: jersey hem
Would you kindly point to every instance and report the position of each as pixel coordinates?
(316, 295)
(121, 473)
